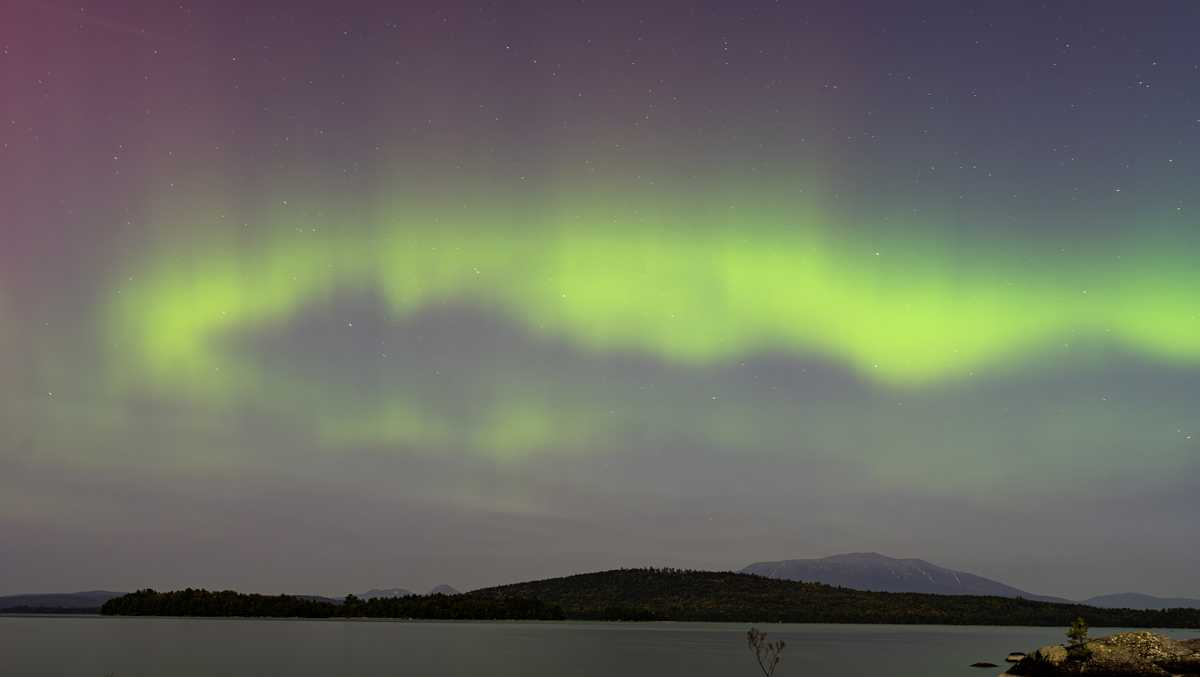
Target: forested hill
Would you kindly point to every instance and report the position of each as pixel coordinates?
(664, 594)
(672, 594)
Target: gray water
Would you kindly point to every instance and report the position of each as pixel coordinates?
(94, 646)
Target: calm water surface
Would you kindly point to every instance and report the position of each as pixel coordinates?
(191, 647)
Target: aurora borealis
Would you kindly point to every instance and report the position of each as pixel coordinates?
(368, 295)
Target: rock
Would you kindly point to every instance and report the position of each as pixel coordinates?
(984, 664)
(1014, 657)
(1054, 654)
(1128, 654)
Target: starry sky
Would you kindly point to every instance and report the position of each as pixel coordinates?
(323, 298)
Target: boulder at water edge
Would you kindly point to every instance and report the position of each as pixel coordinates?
(1128, 654)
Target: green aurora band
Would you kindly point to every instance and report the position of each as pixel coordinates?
(686, 283)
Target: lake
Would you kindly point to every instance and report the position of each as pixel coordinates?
(94, 646)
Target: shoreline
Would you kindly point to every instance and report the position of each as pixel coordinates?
(594, 622)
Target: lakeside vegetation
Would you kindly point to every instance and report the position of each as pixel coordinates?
(193, 602)
(660, 594)
(43, 610)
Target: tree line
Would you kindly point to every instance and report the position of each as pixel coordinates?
(198, 602)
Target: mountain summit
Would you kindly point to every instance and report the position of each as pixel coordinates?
(873, 571)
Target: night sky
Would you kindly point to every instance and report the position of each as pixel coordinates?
(397, 294)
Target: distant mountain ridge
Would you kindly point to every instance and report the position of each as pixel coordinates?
(87, 600)
(383, 593)
(375, 593)
(1137, 600)
(876, 572)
